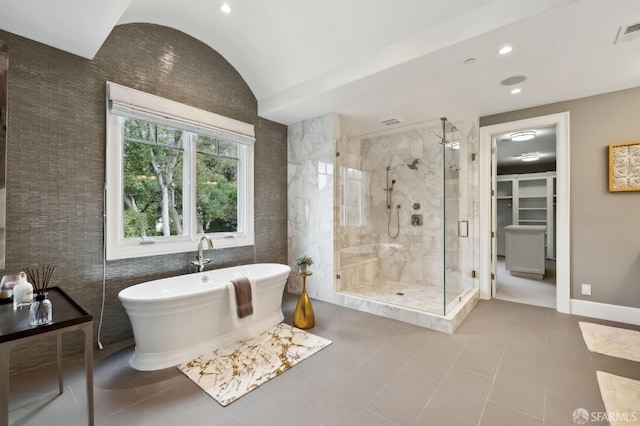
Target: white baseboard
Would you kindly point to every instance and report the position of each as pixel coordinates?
(605, 311)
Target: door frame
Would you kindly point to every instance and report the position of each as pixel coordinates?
(486, 159)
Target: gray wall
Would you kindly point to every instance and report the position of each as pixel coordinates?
(605, 230)
(56, 146)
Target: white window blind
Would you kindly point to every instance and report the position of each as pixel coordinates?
(127, 102)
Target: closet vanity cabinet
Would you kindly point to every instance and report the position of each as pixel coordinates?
(526, 199)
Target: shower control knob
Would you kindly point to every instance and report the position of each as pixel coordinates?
(416, 206)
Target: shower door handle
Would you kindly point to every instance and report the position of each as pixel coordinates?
(463, 228)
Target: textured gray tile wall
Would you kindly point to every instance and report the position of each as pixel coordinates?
(56, 152)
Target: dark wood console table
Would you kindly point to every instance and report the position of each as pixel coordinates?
(67, 316)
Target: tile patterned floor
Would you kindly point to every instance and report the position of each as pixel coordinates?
(508, 364)
(527, 290)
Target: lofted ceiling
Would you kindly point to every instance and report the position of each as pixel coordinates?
(370, 60)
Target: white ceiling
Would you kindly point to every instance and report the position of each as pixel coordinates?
(370, 60)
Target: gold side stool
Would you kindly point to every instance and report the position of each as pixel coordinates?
(303, 317)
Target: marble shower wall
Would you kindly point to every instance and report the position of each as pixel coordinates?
(416, 255)
(311, 155)
(337, 207)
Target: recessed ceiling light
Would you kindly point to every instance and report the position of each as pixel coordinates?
(516, 91)
(530, 156)
(522, 136)
(225, 8)
(505, 49)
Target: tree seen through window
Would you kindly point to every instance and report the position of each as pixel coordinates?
(154, 176)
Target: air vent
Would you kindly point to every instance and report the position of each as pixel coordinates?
(390, 122)
(628, 33)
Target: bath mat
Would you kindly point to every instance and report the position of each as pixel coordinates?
(612, 341)
(228, 373)
(621, 397)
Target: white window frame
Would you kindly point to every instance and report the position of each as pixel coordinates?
(124, 102)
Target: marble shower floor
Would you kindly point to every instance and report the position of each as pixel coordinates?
(425, 298)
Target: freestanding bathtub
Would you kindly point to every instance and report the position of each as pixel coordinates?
(176, 319)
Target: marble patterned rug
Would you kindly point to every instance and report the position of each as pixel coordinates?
(621, 397)
(612, 341)
(228, 373)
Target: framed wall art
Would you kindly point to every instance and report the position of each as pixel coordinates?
(624, 167)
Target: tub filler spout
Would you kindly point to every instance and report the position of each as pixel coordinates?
(200, 260)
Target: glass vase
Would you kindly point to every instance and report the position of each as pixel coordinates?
(40, 310)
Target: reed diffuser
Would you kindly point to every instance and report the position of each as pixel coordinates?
(40, 310)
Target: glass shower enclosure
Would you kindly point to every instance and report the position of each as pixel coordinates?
(405, 200)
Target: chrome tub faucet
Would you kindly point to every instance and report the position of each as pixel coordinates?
(200, 260)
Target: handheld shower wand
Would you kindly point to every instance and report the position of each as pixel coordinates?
(389, 188)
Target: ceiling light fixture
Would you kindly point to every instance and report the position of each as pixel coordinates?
(522, 136)
(225, 8)
(516, 91)
(505, 49)
(530, 156)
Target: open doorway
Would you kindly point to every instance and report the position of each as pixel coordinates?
(524, 204)
(488, 241)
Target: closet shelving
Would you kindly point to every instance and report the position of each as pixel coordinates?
(526, 199)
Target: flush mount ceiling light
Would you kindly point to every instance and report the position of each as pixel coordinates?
(522, 136)
(516, 91)
(225, 8)
(505, 49)
(530, 156)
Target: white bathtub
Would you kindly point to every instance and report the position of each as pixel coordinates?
(176, 319)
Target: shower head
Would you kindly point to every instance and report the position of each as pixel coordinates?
(453, 145)
(414, 165)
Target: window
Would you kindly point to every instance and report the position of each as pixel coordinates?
(173, 173)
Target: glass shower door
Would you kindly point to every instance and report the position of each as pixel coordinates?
(456, 173)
